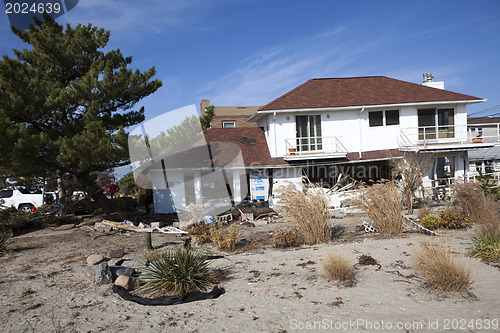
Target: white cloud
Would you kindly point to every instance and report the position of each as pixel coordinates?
(272, 71)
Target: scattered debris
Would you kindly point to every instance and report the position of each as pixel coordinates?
(368, 260)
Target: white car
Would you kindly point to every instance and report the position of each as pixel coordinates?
(21, 200)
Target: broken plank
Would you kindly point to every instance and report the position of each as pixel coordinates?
(120, 225)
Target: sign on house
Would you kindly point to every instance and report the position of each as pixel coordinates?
(259, 185)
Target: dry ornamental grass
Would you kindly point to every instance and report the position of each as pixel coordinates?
(309, 211)
(438, 265)
(383, 204)
(483, 210)
(337, 267)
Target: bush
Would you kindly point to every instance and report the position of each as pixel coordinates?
(431, 222)
(4, 242)
(482, 209)
(439, 267)
(486, 246)
(447, 219)
(176, 272)
(201, 231)
(309, 211)
(383, 204)
(287, 237)
(337, 267)
(224, 238)
(453, 220)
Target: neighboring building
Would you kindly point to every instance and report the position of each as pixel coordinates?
(329, 128)
(230, 116)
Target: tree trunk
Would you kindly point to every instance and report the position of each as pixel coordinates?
(104, 203)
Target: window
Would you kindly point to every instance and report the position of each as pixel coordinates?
(308, 131)
(381, 118)
(6, 194)
(436, 121)
(392, 117)
(376, 118)
(228, 124)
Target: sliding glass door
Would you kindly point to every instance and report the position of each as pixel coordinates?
(308, 133)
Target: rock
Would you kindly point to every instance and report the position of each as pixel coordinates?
(95, 259)
(128, 282)
(115, 253)
(119, 271)
(103, 274)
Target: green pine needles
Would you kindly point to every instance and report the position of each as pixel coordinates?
(176, 272)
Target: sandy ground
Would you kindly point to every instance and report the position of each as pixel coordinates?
(47, 286)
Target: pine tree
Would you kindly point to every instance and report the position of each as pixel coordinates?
(64, 104)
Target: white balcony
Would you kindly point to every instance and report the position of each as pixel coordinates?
(314, 148)
(449, 137)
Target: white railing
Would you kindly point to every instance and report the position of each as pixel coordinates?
(449, 134)
(314, 145)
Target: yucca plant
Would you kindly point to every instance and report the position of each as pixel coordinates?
(486, 246)
(4, 242)
(176, 272)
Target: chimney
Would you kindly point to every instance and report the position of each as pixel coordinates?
(429, 82)
(205, 103)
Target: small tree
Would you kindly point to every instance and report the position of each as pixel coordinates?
(410, 169)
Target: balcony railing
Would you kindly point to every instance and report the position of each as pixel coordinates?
(325, 145)
(449, 134)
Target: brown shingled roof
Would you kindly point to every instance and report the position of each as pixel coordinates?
(251, 140)
(360, 91)
(482, 120)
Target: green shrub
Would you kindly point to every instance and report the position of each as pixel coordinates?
(287, 237)
(454, 220)
(447, 219)
(486, 246)
(431, 222)
(176, 272)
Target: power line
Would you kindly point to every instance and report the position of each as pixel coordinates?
(493, 108)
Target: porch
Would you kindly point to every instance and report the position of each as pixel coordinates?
(449, 137)
(314, 148)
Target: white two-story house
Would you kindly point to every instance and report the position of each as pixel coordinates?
(355, 125)
(326, 129)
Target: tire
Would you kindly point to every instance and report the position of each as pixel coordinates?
(25, 208)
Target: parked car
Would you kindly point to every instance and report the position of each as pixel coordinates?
(22, 200)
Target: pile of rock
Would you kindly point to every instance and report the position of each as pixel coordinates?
(117, 274)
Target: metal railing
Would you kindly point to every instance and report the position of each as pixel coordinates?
(449, 134)
(314, 145)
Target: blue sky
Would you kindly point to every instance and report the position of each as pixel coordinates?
(250, 52)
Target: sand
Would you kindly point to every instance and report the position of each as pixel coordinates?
(47, 286)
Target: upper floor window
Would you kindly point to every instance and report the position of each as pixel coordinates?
(392, 117)
(228, 124)
(376, 118)
(381, 118)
